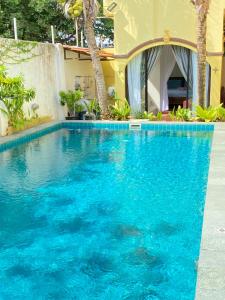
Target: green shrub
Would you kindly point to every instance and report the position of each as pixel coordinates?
(172, 115)
(220, 112)
(14, 95)
(120, 110)
(209, 114)
(141, 115)
(149, 116)
(159, 116)
(71, 99)
(93, 107)
(181, 114)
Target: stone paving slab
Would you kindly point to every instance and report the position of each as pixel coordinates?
(211, 266)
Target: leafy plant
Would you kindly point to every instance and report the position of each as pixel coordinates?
(172, 114)
(181, 114)
(71, 99)
(208, 114)
(220, 112)
(159, 116)
(13, 96)
(121, 109)
(15, 52)
(92, 107)
(26, 124)
(141, 115)
(150, 116)
(153, 117)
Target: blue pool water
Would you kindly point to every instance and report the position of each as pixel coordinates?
(100, 214)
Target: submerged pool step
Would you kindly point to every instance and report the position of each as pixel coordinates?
(135, 126)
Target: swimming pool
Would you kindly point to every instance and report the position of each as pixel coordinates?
(103, 214)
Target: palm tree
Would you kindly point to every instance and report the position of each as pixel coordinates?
(89, 19)
(202, 8)
(87, 10)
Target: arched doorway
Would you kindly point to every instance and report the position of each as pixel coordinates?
(164, 77)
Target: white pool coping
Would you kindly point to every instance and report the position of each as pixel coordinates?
(211, 266)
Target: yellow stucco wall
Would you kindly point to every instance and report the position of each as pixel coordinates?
(75, 67)
(108, 69)
(141, 24)
(139, 21)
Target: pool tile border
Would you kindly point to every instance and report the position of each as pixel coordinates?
(211, 266)
(36, 132)
(28, 135)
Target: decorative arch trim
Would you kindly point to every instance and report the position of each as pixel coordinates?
(152, 43)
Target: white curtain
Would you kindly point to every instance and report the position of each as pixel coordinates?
(134, 83)
(167, 64)
(152, 57)
(149, 60)
(183, 58)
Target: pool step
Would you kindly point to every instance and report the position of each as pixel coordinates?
(135, 126)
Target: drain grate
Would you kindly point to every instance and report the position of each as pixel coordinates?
(135, 126)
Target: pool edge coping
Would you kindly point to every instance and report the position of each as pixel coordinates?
(5, 140)
(211, 265)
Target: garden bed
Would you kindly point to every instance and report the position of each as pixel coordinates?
(27, 124)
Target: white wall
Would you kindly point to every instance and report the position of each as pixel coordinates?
(45, 73)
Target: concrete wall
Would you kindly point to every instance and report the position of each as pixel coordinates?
(45, 73)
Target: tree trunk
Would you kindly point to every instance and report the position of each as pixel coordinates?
(201, 47)
(202, 8)
(94, 51)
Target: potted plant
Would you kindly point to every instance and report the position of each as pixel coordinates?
(71, 100)
(93, 110)
(120, 110)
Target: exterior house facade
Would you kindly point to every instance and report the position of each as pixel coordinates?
(141, 25)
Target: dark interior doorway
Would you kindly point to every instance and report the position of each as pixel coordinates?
(177, 89)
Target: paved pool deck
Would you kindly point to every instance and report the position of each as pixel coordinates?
(211, 265)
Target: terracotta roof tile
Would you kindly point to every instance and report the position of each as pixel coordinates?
(85, 51)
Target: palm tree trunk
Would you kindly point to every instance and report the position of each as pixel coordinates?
(201, 47)
(94, 51)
